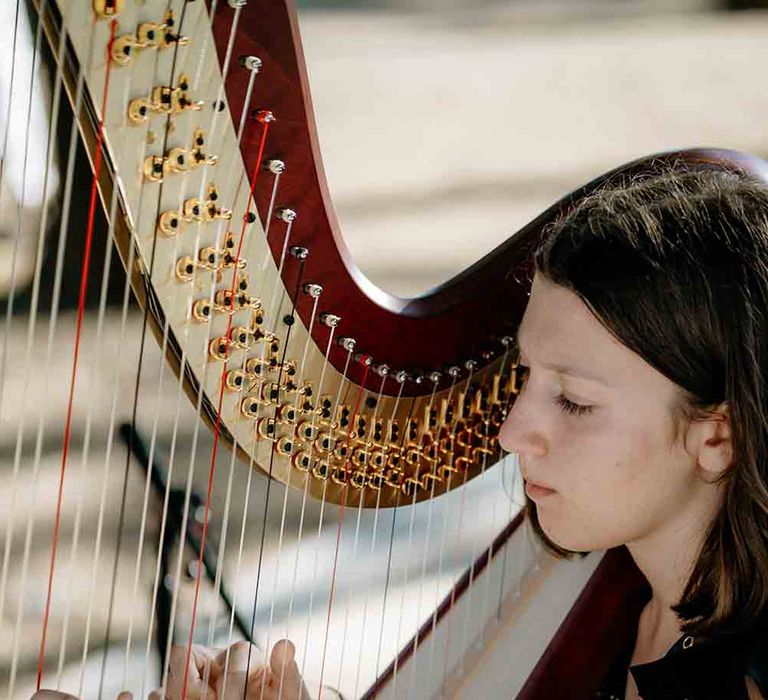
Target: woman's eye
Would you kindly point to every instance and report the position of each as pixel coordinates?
(566, 405)
(576, 409)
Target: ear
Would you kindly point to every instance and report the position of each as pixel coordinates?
(709, 440)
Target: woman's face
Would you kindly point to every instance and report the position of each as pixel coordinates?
(594, 422)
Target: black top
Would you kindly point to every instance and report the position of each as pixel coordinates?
(694, 669)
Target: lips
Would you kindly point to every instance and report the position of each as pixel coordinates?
(538, 485)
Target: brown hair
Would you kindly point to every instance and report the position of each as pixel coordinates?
(675, 266)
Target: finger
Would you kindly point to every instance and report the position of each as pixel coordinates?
(156, 695)
(240, 659)
(282, 661)
(52, 695)
(125, 695)
(197, 688)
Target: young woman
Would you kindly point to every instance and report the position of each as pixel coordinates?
(643, 421)
(643, 418)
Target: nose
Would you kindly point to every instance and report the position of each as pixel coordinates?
(519, 434)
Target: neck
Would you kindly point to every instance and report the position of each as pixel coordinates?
(666, 558)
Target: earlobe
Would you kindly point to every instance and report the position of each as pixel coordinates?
(715, 454)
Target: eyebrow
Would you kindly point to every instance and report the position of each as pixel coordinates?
(566, 369)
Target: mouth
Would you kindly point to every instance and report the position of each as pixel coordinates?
(537, 491)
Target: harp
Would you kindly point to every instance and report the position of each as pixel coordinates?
(197, 123)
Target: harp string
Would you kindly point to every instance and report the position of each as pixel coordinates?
(487, 583)
(412, 512)
(321, 384)
(162, 369)
(425, 551)
(137, 383)
(269, 472)
(299, 285)
(341, 509)
(300, 377)
(462, 501)
(3, 156)
(14, 256)
(78, 332)
(374, 530)
(52, 326)
(389, 549)
(441, 548)
(106, 264)
(31, 326)
(326, 473)
(254, 177)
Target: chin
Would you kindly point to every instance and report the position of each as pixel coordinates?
(574, 539)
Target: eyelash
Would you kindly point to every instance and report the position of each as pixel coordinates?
(565, 404)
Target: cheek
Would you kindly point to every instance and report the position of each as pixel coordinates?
(612, 480)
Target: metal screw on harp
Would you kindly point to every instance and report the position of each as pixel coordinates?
(286, 214)
(299, 253)
(251, 62)
(275, 166)
(330, 320)
(264, 116)
(314, 290)
(347, 343)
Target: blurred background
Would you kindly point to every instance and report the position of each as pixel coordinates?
(445, 126)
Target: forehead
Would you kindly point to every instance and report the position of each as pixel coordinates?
(559, 329)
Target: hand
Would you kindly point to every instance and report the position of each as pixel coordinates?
(206, 679)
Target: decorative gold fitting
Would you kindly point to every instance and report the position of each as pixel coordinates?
(267, 428)
(185, 269)
(341, 451)
(217, 348)
(201, 310)
(149, 35)
(107, 8)
(285, 446)
(123, 48)
(430, 479)
(287, 413)
(413, 456)
(235, 380)
(340, 476)
(270, 392)
(359, 479)
(249, 407)
(321, 470)
(193, 209)
(169, 223)
(241, 337)
(394, 478)
(307, 431)
(447, 471)
(463, 463)
(325, 443)
(155, 168)
(178, 160)
(376, 481)
(139, 110)
(209, 258)
(303, 461)
(377, 459)
(360, 457)
(411, 486)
